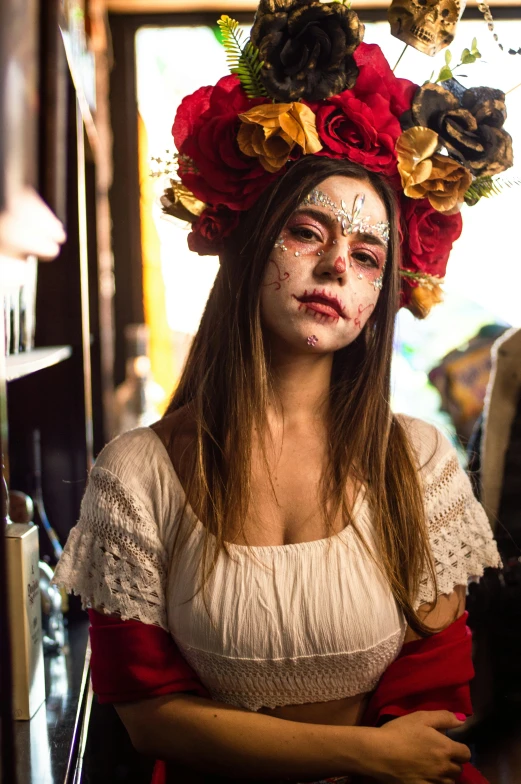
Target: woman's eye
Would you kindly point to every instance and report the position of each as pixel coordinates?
(365, 258)
(305, 234)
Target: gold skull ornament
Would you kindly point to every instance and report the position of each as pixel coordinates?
(428, 25)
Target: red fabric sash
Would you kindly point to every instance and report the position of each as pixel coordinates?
(131, 661)
(429, 674)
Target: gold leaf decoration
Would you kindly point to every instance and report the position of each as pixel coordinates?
(181, 203)
(271, 131)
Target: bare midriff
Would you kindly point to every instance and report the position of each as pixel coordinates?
(347, 711)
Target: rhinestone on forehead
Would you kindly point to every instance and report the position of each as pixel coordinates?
(352, 221)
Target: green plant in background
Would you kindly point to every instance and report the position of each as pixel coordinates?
(489, 186)
(242, 57)
(467, 57)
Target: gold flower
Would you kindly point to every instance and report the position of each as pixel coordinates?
(181, 203)
(424, 297)
(425, 174)
(270, 131)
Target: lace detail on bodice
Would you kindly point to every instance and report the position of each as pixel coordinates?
(459, 532)
(113, 558)
(256, 683)
(307, 629)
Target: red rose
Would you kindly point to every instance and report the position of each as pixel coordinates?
(430, 236)
(363, 124)
(365, 131)
(210, 229)
(376, 77)
(205, 129)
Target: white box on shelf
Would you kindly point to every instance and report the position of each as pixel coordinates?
(25, 614)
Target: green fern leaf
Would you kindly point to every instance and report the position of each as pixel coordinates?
(242, 57)
(489, 186)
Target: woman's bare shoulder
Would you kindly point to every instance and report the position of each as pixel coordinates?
(427, 441)
(176, 424)
(177, 431)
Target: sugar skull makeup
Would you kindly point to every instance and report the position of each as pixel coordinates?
(351, 221)
(326, 269)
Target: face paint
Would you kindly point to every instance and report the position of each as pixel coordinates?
(361, 310)
(322, 305)
(340, 265)
(351, 222)
(280, 278)
(312, 298)
(373, 255)
(369, 261)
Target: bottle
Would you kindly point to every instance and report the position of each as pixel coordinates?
(139, 398)
(38, 498)
(5, 491)
(21, 510)
(22, 556)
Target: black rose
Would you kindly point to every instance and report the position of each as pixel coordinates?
(469, 124)
(307, 48)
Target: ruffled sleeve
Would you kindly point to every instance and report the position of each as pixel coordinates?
(462, 542)
(114, 557)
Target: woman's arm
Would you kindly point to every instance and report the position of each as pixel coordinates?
(213, 737)
(448, 609)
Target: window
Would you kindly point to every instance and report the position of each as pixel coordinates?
(484, 275)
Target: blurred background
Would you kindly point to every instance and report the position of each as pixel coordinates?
(484, 272)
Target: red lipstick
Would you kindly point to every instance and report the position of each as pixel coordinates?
(323, 303)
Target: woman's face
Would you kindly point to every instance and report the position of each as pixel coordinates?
(324, 274)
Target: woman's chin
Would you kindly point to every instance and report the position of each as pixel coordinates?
(315, 340)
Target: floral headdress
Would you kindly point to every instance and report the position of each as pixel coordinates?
(304, 83)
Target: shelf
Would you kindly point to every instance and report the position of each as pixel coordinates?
(49, 749)
(20, 365)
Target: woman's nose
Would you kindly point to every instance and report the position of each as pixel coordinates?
(334, 263)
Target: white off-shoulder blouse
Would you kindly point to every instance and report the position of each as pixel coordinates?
(289, 624)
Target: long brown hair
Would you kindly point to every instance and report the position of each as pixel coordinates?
(226, 382)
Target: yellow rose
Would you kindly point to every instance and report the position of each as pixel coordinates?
(424, 297)
(270, 131)
(426, 174)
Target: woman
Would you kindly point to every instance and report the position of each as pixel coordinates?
(291, 536)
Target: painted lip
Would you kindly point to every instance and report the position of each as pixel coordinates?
(321, 298)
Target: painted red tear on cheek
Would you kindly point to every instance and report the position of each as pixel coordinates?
(280, 278)
(361, 310)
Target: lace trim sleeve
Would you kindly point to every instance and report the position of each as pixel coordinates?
(460, 535)
(114, 558)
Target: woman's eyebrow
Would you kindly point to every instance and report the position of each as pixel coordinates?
(320, 215)
(370, 239)
(332, 222)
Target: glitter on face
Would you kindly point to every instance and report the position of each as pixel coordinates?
(351, 222)
(379, 282)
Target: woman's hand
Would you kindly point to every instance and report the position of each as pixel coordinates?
(414, 750)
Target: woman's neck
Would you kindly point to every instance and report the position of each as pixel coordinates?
(300, 389)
